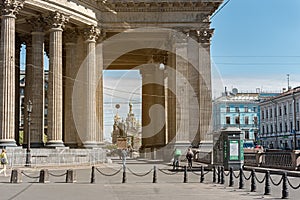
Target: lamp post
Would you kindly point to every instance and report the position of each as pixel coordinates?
(28, 155)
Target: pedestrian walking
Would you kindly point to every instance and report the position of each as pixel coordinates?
(189, 157)
(124, 155)
(4, 161)
(176, 156)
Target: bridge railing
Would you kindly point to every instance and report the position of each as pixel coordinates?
(289, 160)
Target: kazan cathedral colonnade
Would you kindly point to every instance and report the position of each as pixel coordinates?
(87, 36)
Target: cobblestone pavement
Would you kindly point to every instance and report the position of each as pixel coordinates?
(137, 187)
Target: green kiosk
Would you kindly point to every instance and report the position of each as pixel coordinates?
(228, 148)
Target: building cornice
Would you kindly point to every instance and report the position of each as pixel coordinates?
(156, 5)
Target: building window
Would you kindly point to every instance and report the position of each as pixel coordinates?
(291, 127)
(237, 109)
(298, 125)
(246, 109)
(254, 109)
(280, 127)
(262, 114)
(280, 111)
(255, 120)
(267, 114)
(271, 110)
(271, 128)
(290, 108)
(227, 109)
(275, 112)
(246, 120)
(284, 110)
(237, 120)
(285, 127)
(227, 120)
(263, 129)
(246, 134)
(267, 131)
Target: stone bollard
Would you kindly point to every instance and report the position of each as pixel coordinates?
(214, 174)
(267, 183)
(185, 178)
(124, 179)
(44, 176)
(231, 182)
(253, 183)
(241, 182)
(222, 175)
(202, 174)
(71, 176)
(16, 176)
(285, 192)
(93, 175)
(154, 175)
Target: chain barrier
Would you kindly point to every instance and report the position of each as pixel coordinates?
(58, 175)
(235, 176)
(290, 184)
(260, 181)
(226, 174)
(273, 182)
(104, 174)
(162, 170)
(28, 176)
(246, 177)
(140, 175)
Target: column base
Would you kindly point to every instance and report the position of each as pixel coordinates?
(34, 145)
(7, 143)
(55, 143)
(90, 144)
(72, 145)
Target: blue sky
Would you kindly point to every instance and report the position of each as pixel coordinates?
(257, 41)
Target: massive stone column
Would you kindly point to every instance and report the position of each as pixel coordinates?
(99, 92)
(205, 92)
(182, 93)
(89, 140)
(56, 20)
(37, 86)
(70, 133)
(153, 110)
(9, 10)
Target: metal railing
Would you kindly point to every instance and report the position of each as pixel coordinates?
(57, 158)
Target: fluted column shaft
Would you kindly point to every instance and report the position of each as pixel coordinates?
(37, 97)
(70, 133)
(56, 20)
(55, 89)
(182, 93)
(91, 137)
(7, 80)
(99, 92)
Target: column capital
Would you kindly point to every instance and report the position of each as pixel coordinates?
(205, 35)
(57, 20)
(102, 36)
(91, 33)
(11, 7)
(38, 23)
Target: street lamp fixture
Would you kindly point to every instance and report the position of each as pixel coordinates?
(28, 154)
